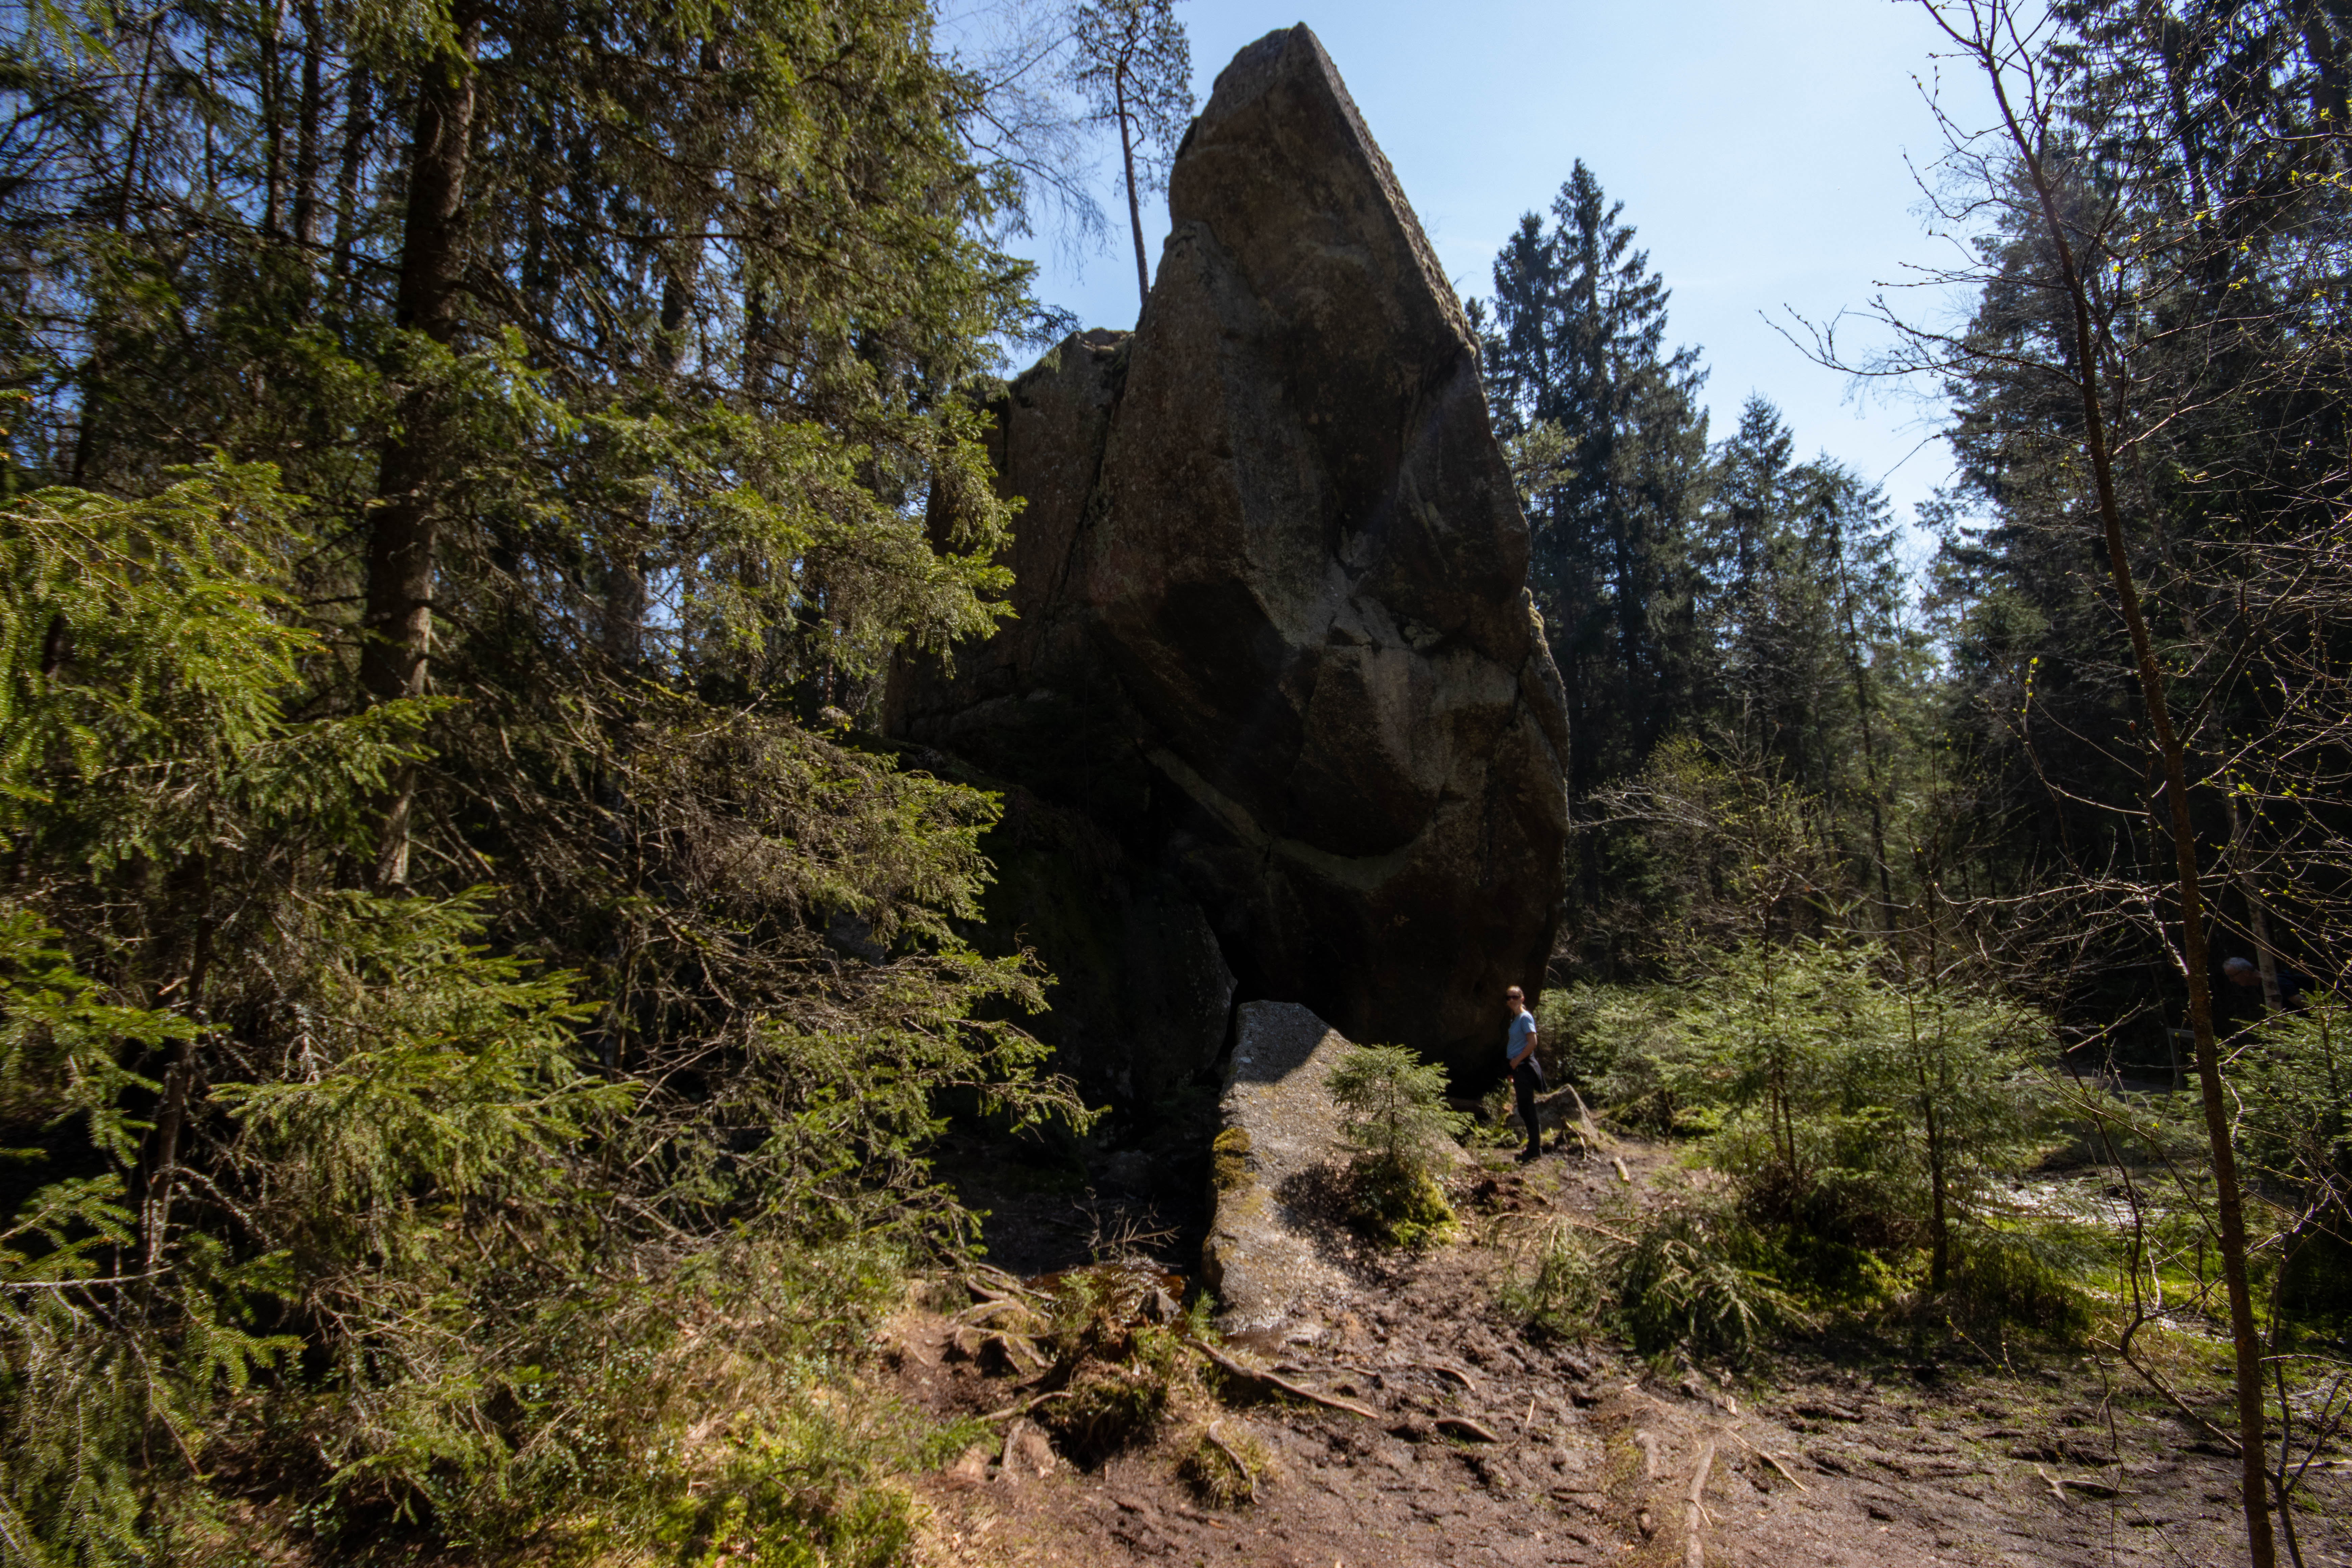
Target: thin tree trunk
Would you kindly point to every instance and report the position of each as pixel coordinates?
(273, 126)
(2257, 921)
(163, 1144)
(625, 567)
(357, 90)
(2254, 1483)
(93, 371)
(1869, 743)
(397, 619)
(305, 134)
(1134, 202)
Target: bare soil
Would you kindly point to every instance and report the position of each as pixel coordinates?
(1486, 1446)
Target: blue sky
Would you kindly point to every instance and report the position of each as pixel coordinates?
(1759, 150)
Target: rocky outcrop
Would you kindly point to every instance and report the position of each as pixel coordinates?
(1273, 631)
(1140, 1007)
(1264, 1252)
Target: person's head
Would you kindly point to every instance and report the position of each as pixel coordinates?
(1517, 998)
(2241, 972)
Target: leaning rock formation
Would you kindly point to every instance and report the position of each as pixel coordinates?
(1280, 1128)
(1274, 631)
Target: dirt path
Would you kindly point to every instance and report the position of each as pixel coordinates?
(1487, 1447)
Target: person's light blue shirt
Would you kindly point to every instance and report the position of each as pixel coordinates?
(1522, 1030)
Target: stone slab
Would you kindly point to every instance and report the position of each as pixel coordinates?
(1261, 1259)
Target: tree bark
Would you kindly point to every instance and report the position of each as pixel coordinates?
(310, 106)
(357, 125)
(273, 125)
(2254, 1485)
(1134, 202)
(397, 619)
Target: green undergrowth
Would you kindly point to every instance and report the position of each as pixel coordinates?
(1116, 1375)
(1696, 1276)
(351, 1217)
(1394, 1116)
(1852, 1137)
(1224, 1465)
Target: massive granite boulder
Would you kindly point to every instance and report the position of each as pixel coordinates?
(1274, 631)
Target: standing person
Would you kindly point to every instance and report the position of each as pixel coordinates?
(1526, 1073)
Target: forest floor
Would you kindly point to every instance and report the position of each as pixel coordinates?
(1822, 1454)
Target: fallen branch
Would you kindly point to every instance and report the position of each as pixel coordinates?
(1541, 1222)
(1455, 1373)
(1620, 1164)
(1788, 1475)
(2058, 1487)
(1281, 1384)
(980, 1312)
(1025, 1406)
(1583, 1223)
(1694, 1512)
(1462, 1426)
(2155, 1380)
(1249, 1477)
(1004, 1284)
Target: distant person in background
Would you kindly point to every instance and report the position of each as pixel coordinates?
(2247, 976)
(1526, 1073)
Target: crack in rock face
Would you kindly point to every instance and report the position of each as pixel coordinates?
(1274, 631)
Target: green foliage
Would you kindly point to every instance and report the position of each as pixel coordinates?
(2003, 1277)
(1619, 1046)
(1568, 1291)
(1833, 1094)
(1393, 1108)
(1859, 1120)
(1691, 1279)
(2295, 1075)
(1395, 1115)
(1116, 1371)
(1225, 1468)
(420, 1200)
(1609, 448)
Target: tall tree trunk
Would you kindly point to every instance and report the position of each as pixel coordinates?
(163, 1153)
(2229, 1203)
(93, 371)
(2328, 76)
(397, 619)
(625, 567)
(273, 126)
(1134, 202)
(2257, 919)
(307, 110)
(1859, 672)
(358, 88)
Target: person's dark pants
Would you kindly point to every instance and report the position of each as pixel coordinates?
(1524, 1079)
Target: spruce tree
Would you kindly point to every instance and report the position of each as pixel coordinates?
(1578, 342)
(470, 467)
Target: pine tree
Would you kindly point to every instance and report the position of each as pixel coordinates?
(1134, 65)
